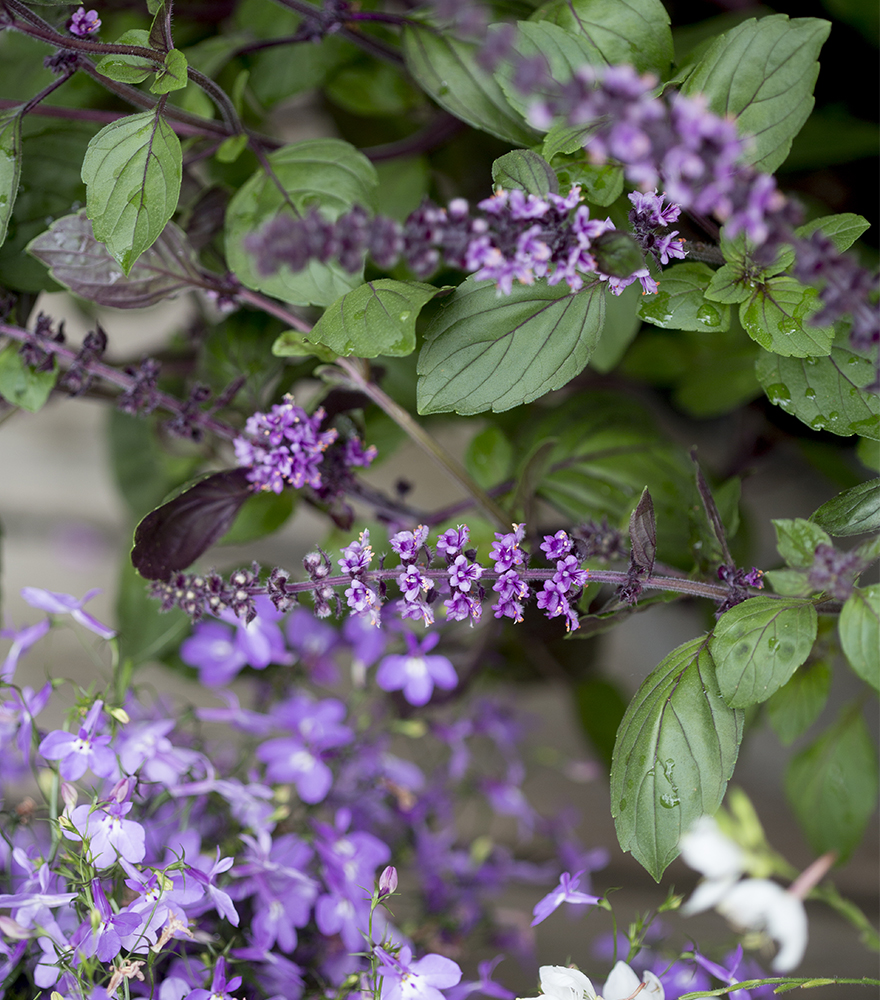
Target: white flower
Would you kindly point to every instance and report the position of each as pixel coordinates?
(754, 904)
(561, 983)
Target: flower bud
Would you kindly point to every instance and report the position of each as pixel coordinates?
(388, 881)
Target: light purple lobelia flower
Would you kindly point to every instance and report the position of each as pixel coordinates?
(565, 892)
(67, 604)
(415, 673)
(82, 750)
(404, 979)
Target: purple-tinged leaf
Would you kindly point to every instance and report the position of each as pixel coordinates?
(85, 266)
(173, 536)
(643, 535)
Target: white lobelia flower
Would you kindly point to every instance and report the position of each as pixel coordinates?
(562, 983)
(753, 904)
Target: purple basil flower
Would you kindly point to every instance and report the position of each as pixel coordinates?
(284, 447)
(565, 892)
(67, 604)
(82, 750)
(415, 673)
(556, 546)
(357, 556)
(404, 979)
(408, 544)
(84, 23)
(506, 550)
(452, 542)
(22, 640)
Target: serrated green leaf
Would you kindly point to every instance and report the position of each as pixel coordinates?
(448, 70)
(10, 165)
(129, 69)
(488, 352)
(763, 72)
(825, 393)
(843, 229)
(832, 786)
(777, 318)
(326, 173)
(852, 512)
(680, 304)
(566, 139)
(796, 540)
(132, 171)
(600, 183)
(377, 318)
(622, 323)
(489, 457)
(172, 76)
(859, 627)
(622, 31)
(798, 703)
(526, 170)
(728, 285)
(674, 754)
(758, 644)
(789, 582)
(20, 385)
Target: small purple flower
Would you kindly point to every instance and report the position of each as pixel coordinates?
(511, 590)
(110, 836)
(461, 606)
(22, 640)
(82, 750)
(415, 673)
(463, 574)
(357, 556)
(221, 987)
(408, 544)
(388, 881)
(221, 901)
(363, 600)
(84, 23)
(66, 604)
(565, 892)
(102, 937)
(506, 551)
(556, 546)
(404, 979)
(452, 542)
(413, 582)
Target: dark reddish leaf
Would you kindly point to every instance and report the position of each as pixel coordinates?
(643, 535)
(712, 511)
(173, 536)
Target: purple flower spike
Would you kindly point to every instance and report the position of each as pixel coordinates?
(84, 23)
(565, 892)
(415, 673)
(67, 604)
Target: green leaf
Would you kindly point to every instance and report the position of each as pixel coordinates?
(622, 31)
(601, 183)
(728, 285)
(526, 170)
(789, 582)
(448, 70)
(832, 785)
(564, 139)
(378, 318)
(172, 76)
(326, 173)
(129, 69)
(681, 304)
(825, 393)
(796, 540)
(608, 449)
(485, 351)
(622, 323)
(843, 229)
(777, 318)
(10, 165)
(293, 344)
(675, 752)
(20, 385)
(261, 515)
(372, 89)
(230, 149)
(763, 72)
(489, 457)
(859, 627)
(852, 512)
(798, 703)
(132, 172)
(403, 184)
(758, 645)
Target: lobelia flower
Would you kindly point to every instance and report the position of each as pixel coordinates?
(485, 985)
(67, 604)
(221, 987)
(755, 904)
(566, 892)
(404, 979)
(22, 708)
(22, 640)
(110, 836)
(82, 750)
(101, 933)
(415, 673)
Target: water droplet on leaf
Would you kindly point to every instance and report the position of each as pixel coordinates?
(708, 315)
